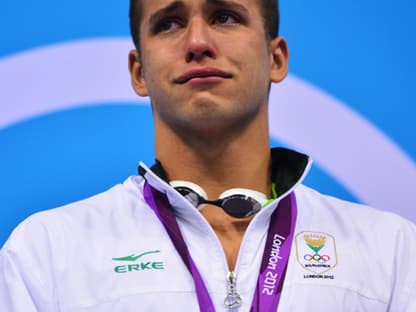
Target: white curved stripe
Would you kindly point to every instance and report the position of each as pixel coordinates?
(346, 145)
(95, 71)
(63, 76)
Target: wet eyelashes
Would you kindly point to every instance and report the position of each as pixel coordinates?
(172, 23)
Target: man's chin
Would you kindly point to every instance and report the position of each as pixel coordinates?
(211, 125)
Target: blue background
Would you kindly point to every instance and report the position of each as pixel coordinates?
(362, 52)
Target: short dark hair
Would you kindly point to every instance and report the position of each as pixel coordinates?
(269, 10)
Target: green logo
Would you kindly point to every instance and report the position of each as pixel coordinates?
(141, 266)
(134, 258)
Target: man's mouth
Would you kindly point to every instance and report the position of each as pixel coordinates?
(202, 75)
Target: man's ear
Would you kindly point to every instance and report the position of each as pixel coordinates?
(279, 58)
(136, 73)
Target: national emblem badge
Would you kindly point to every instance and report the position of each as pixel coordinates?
(316, 251)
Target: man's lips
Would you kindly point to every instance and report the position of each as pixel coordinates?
(201, 73)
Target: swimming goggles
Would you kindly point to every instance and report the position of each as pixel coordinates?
(236, 202)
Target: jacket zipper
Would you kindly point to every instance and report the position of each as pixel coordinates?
(233, 299)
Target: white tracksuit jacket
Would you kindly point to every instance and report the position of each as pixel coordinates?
(111, 253)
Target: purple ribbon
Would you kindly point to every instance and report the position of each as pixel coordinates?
(161, 206)
(275, 256)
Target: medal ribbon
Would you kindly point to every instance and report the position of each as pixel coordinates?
(275, 256)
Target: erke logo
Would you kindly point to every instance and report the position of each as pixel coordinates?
(141, 266)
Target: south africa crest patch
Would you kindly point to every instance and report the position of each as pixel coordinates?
(316, 251)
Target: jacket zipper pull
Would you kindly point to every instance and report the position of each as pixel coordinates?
(233, 299)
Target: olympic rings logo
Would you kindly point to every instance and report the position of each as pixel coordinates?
(317, 258)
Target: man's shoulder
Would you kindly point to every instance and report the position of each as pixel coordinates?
(349, 218)
(93, 213)
(352, 251)
(361, 249)
(114, 198)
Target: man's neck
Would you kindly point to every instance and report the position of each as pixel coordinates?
(242, 161)
(236, 160)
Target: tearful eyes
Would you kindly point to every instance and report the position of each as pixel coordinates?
(170, 24)
(225, 18)
(167, 25)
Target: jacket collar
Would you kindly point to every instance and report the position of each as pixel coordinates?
(288, 168)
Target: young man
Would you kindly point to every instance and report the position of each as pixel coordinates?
(220, 222)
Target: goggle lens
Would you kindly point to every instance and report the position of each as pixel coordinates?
(237, 205)
(240, 206)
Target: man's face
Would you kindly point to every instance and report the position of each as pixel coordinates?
(205, 63)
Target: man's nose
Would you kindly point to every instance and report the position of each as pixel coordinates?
(199, 44)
